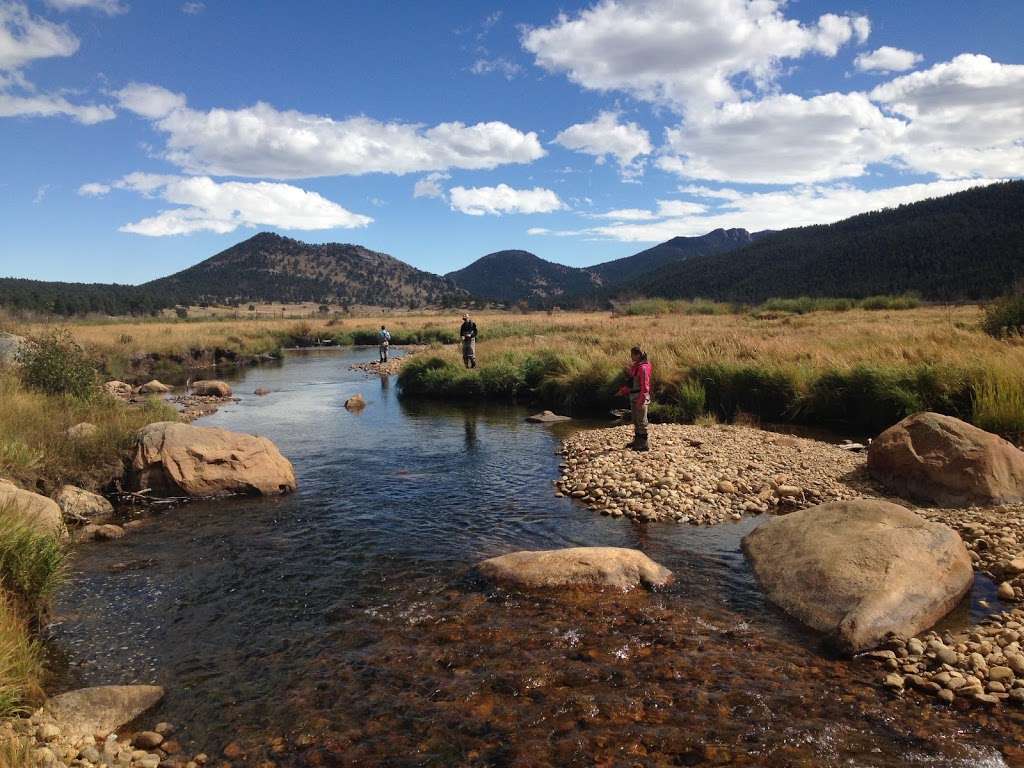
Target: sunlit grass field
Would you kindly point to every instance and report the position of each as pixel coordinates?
(844, 366)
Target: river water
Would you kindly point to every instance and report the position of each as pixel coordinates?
(342, 623)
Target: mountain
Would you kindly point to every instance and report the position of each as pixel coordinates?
(968, 245)
(269, 267)
(670, 252)
(511, 276)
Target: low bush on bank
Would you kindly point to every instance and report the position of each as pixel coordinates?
(1006, 316)
(54, 364)
(998, 404)
(675, 307)
(802, 305)
(31, 563)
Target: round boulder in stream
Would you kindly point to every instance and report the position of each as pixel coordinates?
(858, 570)
(180, 459)
(576, 567)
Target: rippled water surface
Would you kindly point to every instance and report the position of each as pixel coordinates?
(344, 621)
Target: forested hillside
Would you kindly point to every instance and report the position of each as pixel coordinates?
(511, 276)
(969, 245)
(81, 298)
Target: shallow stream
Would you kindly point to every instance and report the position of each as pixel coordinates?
(343, 619)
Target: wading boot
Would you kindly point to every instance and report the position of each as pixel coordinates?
(630, 446)
(640, 444)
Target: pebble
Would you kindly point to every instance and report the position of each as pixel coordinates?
(706, 475)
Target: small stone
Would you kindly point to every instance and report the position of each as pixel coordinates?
(724, 486)
(894, 681)
(171, 747)
(947, 655)
(47, 732)
(148, 740)
(787, 491)
(915, 647)
(1000, 673)
(1005, 591)
(164, 729)
(986, 698)
(109, 532)
(946, 695)
(233, 751)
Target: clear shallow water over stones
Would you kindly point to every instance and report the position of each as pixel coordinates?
(342, 618)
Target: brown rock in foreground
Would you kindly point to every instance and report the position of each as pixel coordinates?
(103, 708)
(858, 570)
(579, 567)
(154, 387)
(79, 504)
(181, 459)
(947, 461)
(211, 388)
(37, 511)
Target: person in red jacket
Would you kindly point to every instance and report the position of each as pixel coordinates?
(639, 392)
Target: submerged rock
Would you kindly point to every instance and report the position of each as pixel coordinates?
(102, 709)
(154, 387)
(547, 417)
(37, 511)
(355, 403)
(261, 391)
(79, 504)
(947, 461)
(118, 389)
(211, 388)
(859, 570)
(181, 459)
(581, 567)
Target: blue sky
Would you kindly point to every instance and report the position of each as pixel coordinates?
(138, 138)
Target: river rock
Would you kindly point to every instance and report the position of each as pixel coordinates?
(547, 417)
(580, 567)
(154, 387)
(261, 391)
(211, 388)
(858, 570)
(10, 346)
(181, 459)
(355, 403)
(944, 460)
(102, 709)
(82, 431)
(39, 512)
(118, 389)
(78, 504)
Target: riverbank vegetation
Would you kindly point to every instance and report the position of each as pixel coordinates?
(858, 367)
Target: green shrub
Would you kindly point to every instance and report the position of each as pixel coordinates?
(998, 405)
(1005, 317)
(54, 364)
(903, 301)
(31, 563)
(769, 394)
(864, 398)
(501, 380)
(545, 364)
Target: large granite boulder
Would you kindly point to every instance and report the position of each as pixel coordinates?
(211, 388)
(858, 570)
(578, 567)
(181, 459)
(39, 512)
(946, 461)
(102, 709)
(78, 504)
(10, 346)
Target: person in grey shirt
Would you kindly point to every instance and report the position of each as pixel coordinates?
(467, 332)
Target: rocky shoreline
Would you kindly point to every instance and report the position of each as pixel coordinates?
(392, 367)
(713, 475)
(706, 475)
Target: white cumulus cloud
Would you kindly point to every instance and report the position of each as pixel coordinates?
(887, 59)
(109, 7)
(793, 207)
(478, 201)
(430, 185)
(262, 141)
(33, 104)
(782, 140)
(684, 52)
(605, 137)
(966, 117)
(25, 38)
(222, 207)
(150, 101)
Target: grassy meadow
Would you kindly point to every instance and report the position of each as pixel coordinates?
(852, 365)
